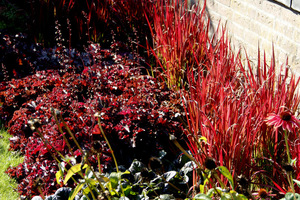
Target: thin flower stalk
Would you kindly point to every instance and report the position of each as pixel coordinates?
(112, 152)
(287, 122)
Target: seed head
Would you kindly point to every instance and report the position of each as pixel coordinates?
(34, 124)
(210, 163)
(288, 167)
(155, 164)
(55, 111)
(286, 116)
(243, 181)
(263, 193)
(97, 147)
(97, 114)
(172, 137)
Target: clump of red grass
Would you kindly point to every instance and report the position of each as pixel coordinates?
(178, 35)
(225, 100)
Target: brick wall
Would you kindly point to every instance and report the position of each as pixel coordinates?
(260, 23)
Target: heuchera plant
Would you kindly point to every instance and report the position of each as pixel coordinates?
(19, 58)
(88, 20)
(137, 114)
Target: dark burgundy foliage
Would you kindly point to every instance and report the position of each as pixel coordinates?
(90, 20)
(137, 114)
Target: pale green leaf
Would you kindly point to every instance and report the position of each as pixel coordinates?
(202, 197)
(59, 175)
(203, 139)
(290, 196)
(73, 170)
(225, 172)
(298, 182)
(75, 191)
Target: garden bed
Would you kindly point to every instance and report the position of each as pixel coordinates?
(152, 107)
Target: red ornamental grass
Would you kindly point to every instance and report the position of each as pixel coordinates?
(178, 33)
(227, 102)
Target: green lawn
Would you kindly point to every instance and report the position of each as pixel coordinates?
(7, 158)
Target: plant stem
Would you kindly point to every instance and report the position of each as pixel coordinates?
(112, 152)
(70, 132)
(62, 133)
(289, 174)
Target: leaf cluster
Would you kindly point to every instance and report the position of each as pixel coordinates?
(137, 113)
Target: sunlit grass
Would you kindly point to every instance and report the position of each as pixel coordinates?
(7, 158)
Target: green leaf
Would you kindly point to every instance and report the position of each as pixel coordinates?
(290, 196)
(136, 166)
(92, 182)
(114, 178)
(127, 189)
(75, 191)
(202, 197)
(203, 139)
(224, 197)
(84, 198)
(210, 192)
(237, 196)
(73, 170)
(86, 190)
(59, 175)
(227, 174)
(293, 162)
(166, 197)
(170, 175)
(126, 172)
(71, 159)
(61, 166)
(298, 182)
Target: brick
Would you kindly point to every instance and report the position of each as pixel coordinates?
(266, 45)
(224, 9)
(296, 70)
(242, 20)
(284, 28)
(250, 21)
(235, 4)
(236, 29)
(210, 4)
(241, 7)
(224, 2)
(251, 11)
(265, 18)
(260, 28)
(285, 14)
(287, 45)
(251, 37)
(274, 37)
(296, 36)
(294, 58)
(271, 6)
(296, 61)
(281, 57)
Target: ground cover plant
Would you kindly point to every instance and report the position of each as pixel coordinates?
(155, 85)
(131, 104)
